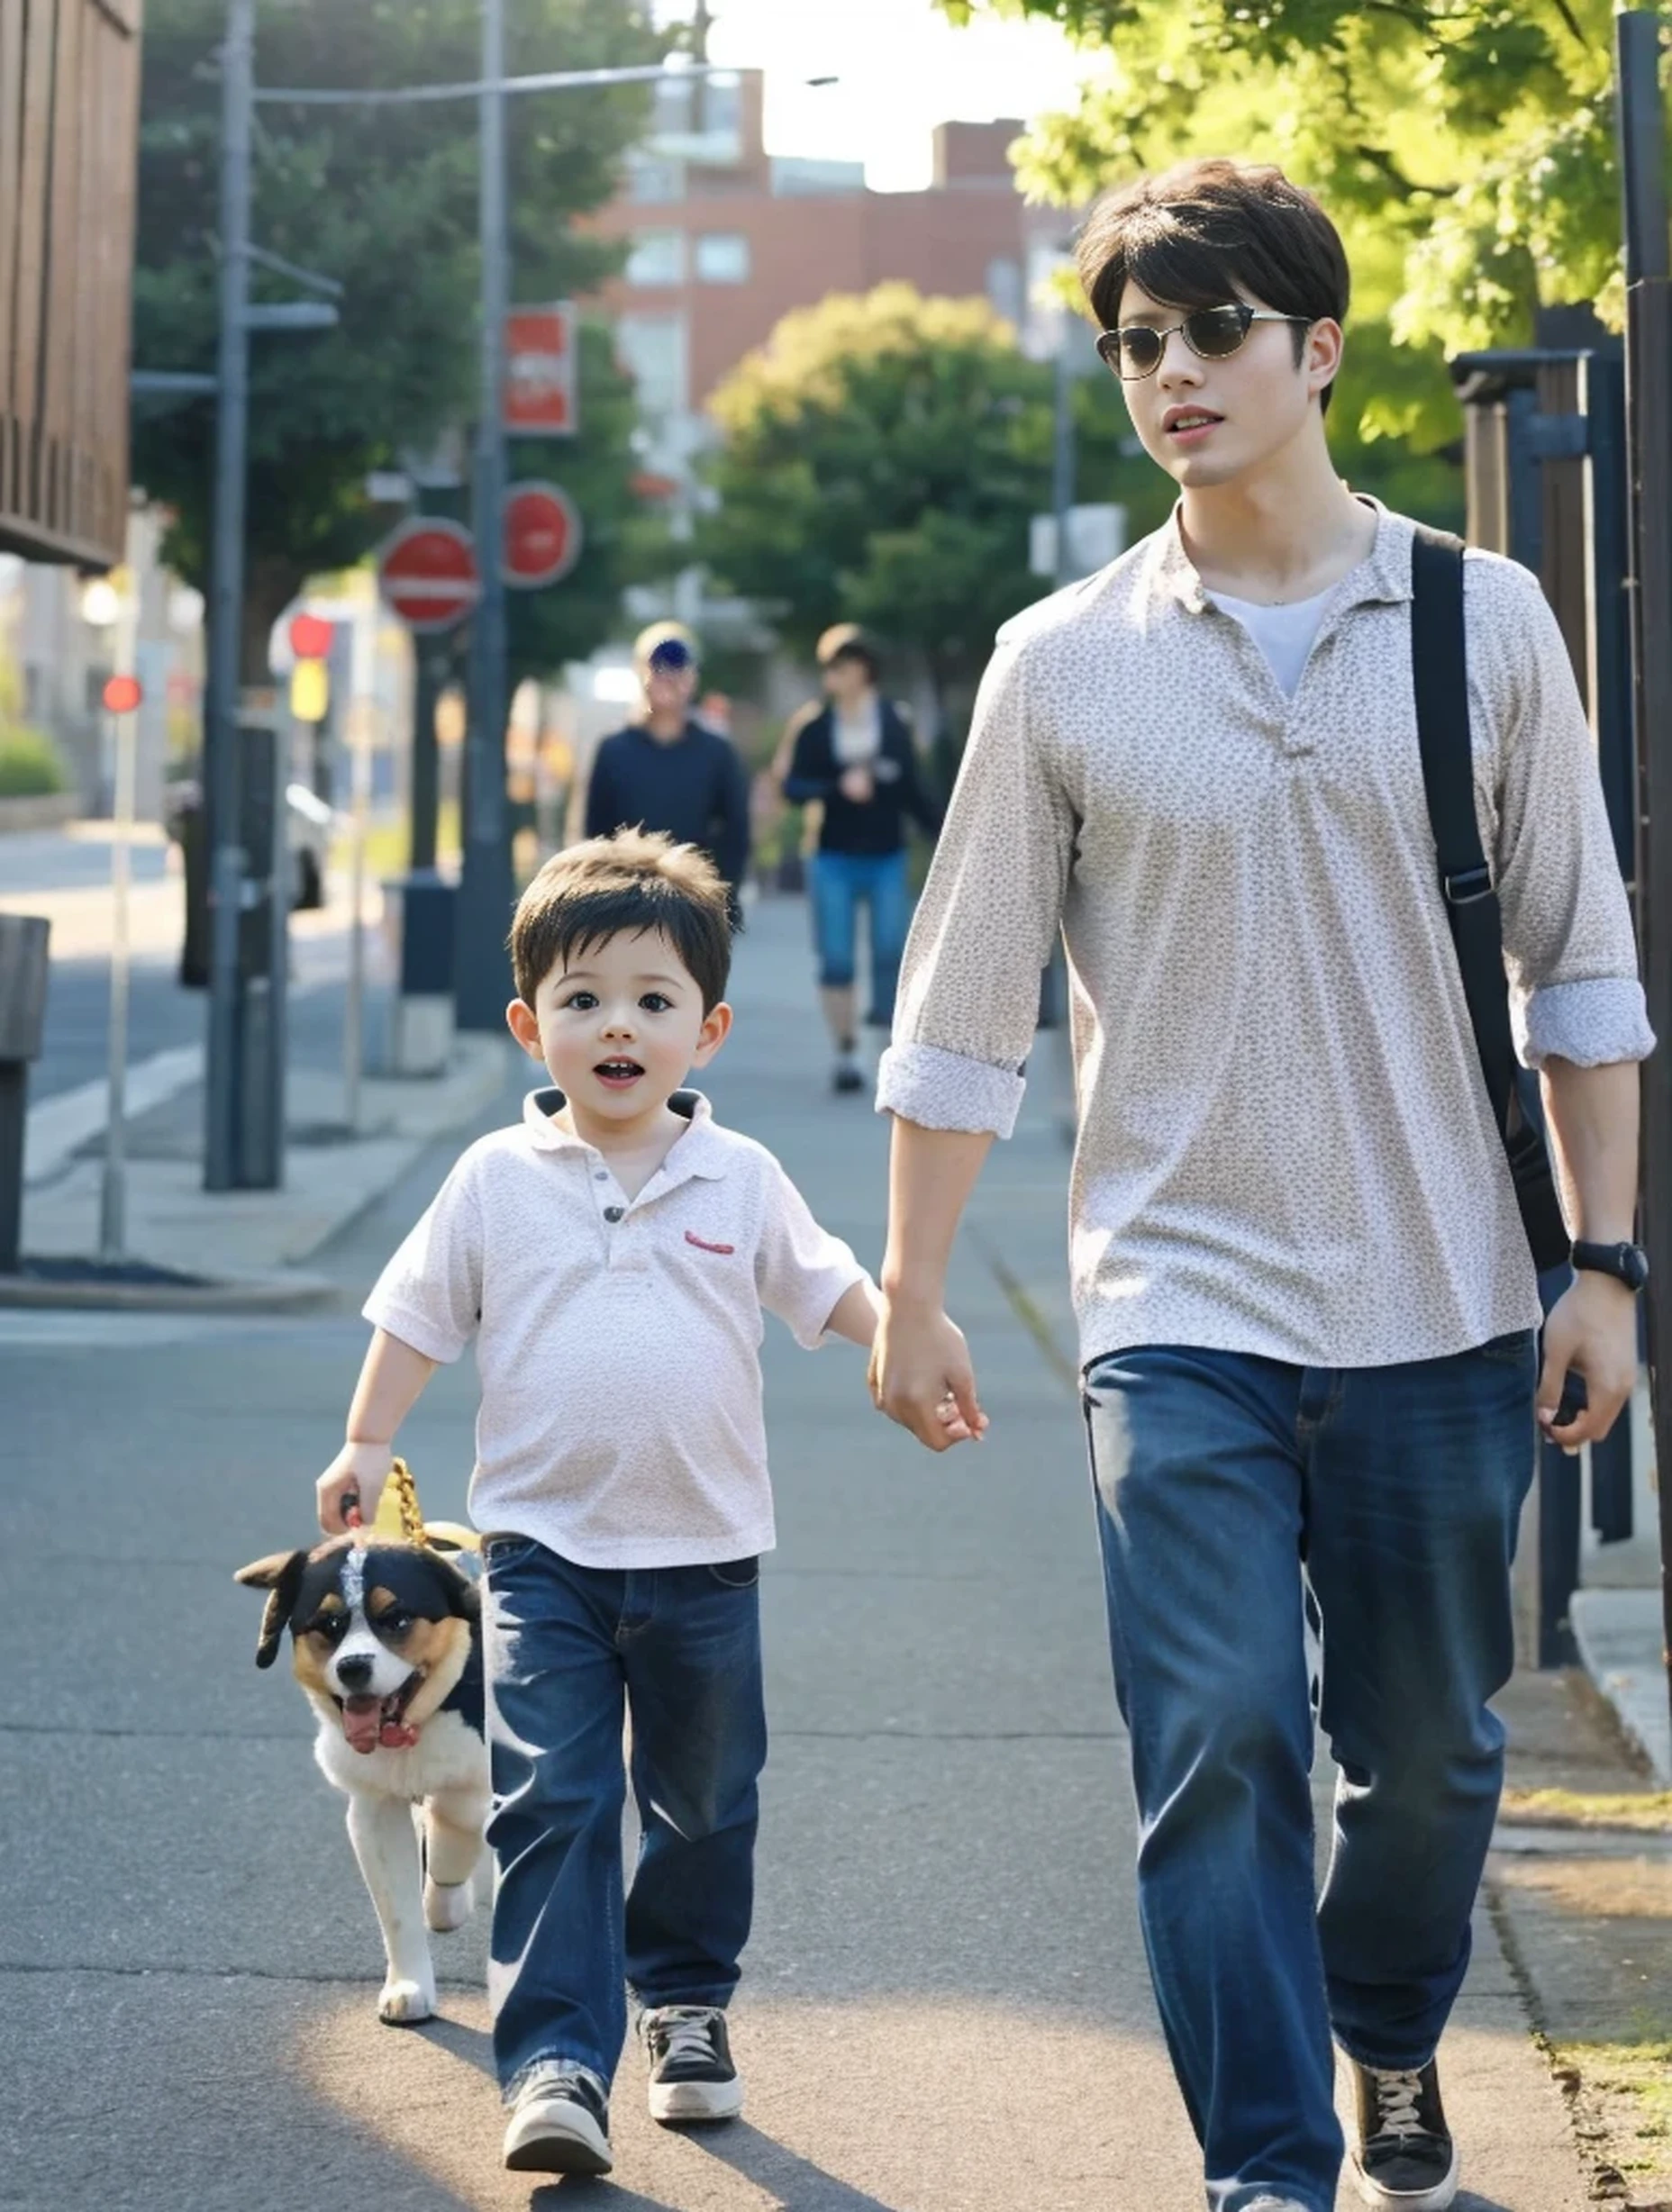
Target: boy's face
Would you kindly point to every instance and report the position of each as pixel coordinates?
(1259, 400)
(668, 689)
(621, 1027)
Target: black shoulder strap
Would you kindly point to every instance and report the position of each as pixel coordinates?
(1440, 666)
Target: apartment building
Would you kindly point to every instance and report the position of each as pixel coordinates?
(726, 238)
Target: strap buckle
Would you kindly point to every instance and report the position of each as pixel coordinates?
(1468, 887)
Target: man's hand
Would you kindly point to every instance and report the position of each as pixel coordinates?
(858, 785)
(358, 1470)
(921, 1376)
(1593, 1329)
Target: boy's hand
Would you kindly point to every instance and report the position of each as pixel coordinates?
(358, 1470)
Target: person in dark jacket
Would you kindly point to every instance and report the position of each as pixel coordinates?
(669, 771)
(857, 758)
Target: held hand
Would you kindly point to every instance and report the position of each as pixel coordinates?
(358, 1470)
(921, 1376)
(1593, 1329)
(858, 785)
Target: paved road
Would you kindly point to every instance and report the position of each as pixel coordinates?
(945, 2009)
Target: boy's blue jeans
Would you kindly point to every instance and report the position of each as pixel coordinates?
(568, 1650)
(1399, 1489)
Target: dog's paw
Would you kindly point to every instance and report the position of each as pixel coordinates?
(401, 2003)
(446, 1905)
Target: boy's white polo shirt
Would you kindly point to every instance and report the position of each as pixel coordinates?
(617, 1339)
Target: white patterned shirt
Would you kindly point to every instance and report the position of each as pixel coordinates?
(1286, 1146)
(618, 1340)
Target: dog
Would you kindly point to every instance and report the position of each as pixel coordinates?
(386, 1643)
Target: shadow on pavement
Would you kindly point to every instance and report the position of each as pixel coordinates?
(791, 2180)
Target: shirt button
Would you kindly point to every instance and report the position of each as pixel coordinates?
(613, 1213)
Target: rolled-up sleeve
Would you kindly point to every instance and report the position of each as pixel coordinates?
(984, 927)
(430, 1295)
(1567, 938)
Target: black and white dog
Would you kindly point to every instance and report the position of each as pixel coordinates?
(387, 1644)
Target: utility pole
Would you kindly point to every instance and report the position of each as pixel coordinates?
(226, 601)
(1641, 120)
(483, 974)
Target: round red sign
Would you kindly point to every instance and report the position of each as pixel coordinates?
(122, 693)
(542, 535)
(427, 573)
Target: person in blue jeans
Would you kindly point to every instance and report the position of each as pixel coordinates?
(857, 758)
(611, 1254)
(1308, 1310)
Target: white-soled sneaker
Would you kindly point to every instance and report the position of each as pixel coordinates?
(559, 2121)
(1405, 2160)
(1274, 2204)
(692, 2076)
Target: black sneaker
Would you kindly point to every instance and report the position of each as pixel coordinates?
(692, 2077)
(1406, 2161)
(848, 1077)
(559, 2121)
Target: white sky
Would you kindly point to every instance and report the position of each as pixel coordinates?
(903, 67)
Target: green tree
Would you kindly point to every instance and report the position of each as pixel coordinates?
(1465, 147)
(880, 459)
(384, 200)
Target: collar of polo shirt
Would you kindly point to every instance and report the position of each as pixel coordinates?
(1383, 572)
(698, 1152)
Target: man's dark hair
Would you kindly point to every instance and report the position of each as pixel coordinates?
(846, 641)
(621, 886)
(1211, 230)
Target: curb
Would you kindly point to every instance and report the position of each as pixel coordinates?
(1621, 1655)
(274, 1293)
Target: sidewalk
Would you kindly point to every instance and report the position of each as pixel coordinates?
(945, 2006)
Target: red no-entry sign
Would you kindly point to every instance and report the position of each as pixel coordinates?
(427, 574)
(542, 535)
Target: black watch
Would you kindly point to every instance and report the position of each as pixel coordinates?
(1626, 1263)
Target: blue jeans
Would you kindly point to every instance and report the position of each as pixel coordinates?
(568, 1650)
(1221, 1479)
(841, 881)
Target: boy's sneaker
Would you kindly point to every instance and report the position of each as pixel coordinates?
(1405, 2160)
(848, 1076)
(559, 2121)
(692, 2077)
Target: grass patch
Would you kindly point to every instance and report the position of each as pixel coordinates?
(1647, 1812)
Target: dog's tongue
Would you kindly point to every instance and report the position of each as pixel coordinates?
(362, 1719)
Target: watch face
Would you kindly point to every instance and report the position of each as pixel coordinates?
(1633, 1265)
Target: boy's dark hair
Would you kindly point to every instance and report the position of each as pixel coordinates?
(622, 885)
(1206, 230)
(846, 641)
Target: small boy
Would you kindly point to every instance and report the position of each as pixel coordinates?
(611, 1255)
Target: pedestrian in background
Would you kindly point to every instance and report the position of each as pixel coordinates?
(669, 771)
(1308, 1307)
(856, 758)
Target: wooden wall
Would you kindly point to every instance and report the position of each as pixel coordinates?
(70, 78)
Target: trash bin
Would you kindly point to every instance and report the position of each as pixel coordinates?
(420, 914)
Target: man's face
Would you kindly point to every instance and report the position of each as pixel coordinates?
(669, 683)
(1211, 423)
(847, 679)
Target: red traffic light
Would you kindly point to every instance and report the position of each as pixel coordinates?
(122, 693)
(310, 637)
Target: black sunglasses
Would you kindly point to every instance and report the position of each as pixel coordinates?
(1212, 333)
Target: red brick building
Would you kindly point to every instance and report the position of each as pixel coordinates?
(727, 238)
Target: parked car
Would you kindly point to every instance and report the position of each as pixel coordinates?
(309, 822)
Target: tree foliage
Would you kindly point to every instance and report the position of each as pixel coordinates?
(384, 201)
(881, 457)
(1465, 147)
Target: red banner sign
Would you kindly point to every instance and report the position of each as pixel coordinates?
(540, 371)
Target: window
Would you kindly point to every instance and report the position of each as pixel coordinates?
(653, 348)
(722, 257)
(654, 181)
(658, 257)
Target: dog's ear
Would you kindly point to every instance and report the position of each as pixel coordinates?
(463, 1595)
(280, 1574)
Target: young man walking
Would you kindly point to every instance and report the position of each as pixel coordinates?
(1306, 1301)
(855, 760)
